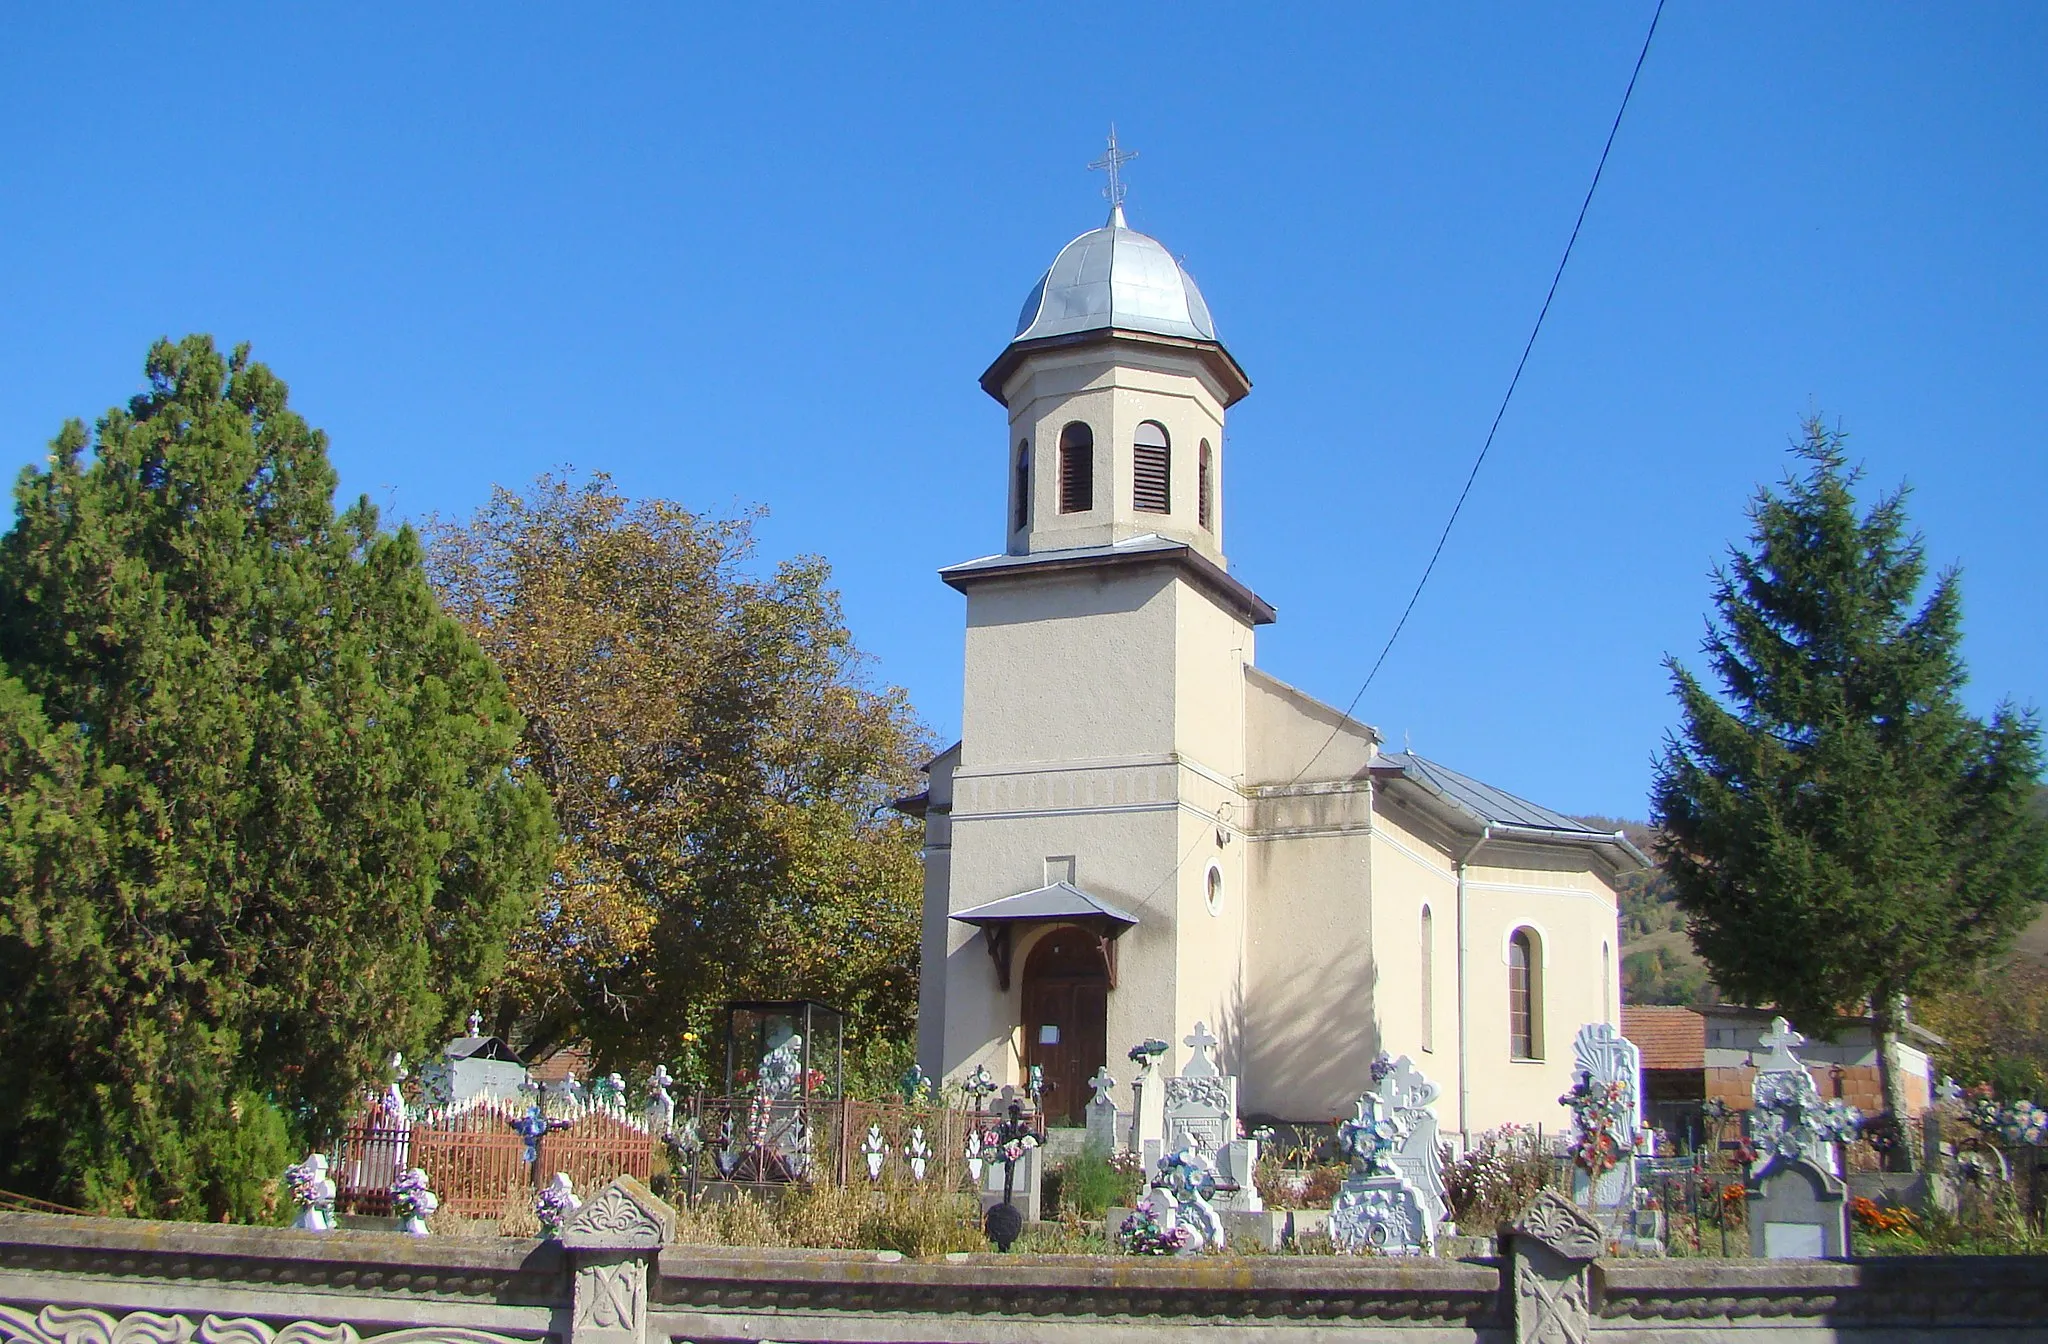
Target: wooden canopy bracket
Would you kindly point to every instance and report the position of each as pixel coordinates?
(997, 936)
(1107, 942)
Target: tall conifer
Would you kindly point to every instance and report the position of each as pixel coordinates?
(1842, 834)
(260, 822)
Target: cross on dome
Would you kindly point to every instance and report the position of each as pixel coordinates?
(476, 1023)
(1199, 1064)
(1112, 163)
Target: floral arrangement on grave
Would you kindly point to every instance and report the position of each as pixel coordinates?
(1790, 1120)
(413, 1202)
(1599, 1113)
(915, 1087)
(979, 1087)
(532, 1127)
(1188, 1176)
(555, 1204)
(312, 1190)
(1370, 1138)
(1145, 1231)
(2018, 1123)
(682, 1143)
(781, 1068)
(609, 1091)
(1146, 1051)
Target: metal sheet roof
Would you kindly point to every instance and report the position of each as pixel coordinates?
(1115, 277)
(1490, 806)
(1061, 900)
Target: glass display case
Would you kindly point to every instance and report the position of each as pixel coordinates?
(787, 1050)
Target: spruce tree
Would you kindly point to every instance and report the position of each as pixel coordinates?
(1841, 833)
(261, 816)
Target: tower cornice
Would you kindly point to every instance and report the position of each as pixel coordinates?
(1191, 564)
(1232, 383)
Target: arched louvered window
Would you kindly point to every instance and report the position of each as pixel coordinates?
(1205, 479)
(1020, 504)
(1525, 997)
(1077, 469)
(1151, 469)
(1428, 979)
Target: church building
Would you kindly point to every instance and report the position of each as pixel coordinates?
(1140, 829)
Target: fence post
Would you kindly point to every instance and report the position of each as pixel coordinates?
(612, 1242)
(1549, 1250)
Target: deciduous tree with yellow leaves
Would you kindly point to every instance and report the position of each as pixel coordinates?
(721, 765)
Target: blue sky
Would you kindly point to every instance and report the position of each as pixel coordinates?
(762, 258)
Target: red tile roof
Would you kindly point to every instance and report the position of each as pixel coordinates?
(1670, 1038)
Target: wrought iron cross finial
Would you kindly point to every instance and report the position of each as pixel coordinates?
(1112, 163)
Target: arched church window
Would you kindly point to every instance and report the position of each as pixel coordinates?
(1020, 506)
(1525, 997)
(1077, 469)
(1212, 893)
(1428, 979)
(1151, 469)
(1205, 509)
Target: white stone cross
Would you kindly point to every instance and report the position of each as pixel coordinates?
(1199, 1064)
(476, 1023)
(1780, 1041)
(1102, 1083)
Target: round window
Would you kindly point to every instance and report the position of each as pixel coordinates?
(1214, 892)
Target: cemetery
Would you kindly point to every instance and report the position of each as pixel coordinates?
(789, 1211)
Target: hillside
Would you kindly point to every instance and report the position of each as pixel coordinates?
(1658, 964)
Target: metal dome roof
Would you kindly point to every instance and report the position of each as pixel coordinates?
(1115, 276)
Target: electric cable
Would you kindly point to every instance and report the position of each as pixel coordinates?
(1498, 415)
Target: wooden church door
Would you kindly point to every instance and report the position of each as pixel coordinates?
(1066, 1019)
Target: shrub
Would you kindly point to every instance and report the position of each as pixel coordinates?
(1093, 1181)
(1496, 1179)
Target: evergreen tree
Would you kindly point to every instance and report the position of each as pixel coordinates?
(260, 821)
(1840, 832)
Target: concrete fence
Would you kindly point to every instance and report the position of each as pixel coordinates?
(616, 1278)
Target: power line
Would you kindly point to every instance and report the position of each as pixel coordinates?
(1499, 414)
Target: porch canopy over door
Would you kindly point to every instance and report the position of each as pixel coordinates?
(1060, 903)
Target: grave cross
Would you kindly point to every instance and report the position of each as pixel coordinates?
(1780, 1041)
(476, 1023)
(1199, 1063)
(1102, 1083)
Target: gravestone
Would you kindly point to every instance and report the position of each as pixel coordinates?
(1796, 1211)
(1148, 1105)
(1796, 1208)
(1412, 1099)
(1201, 1112)
(1102, 1115)
(1550, 1249)
(1378, 1208)
(1608, 1059)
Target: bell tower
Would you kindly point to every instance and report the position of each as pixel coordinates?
(1116, 387)
(1091, 806)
